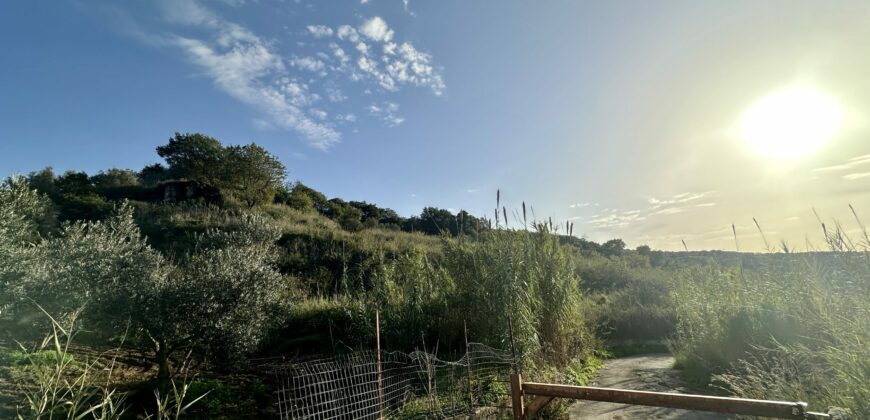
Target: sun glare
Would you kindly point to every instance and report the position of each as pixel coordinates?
(791, 123)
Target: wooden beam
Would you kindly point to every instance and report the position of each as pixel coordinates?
(537, 405)
(776, 409)
(517, 396)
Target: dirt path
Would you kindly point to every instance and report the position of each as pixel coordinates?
(651, 372)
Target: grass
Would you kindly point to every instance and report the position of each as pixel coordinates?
(54, 383)
(61, 386)
(793, 327)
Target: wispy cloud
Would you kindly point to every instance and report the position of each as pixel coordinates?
(387, 112)
(319, 31)
(310, 64)
(856, 175)
(677, 199)
(581, 205)
(255, 71)
(849, 164)
(407, 4)
(616, 218)
(247, 68)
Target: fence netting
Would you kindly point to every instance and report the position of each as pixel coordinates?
(410, 385)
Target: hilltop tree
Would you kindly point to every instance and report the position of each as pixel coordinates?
(115, 178)
(643, 250)
(194, 157)
(42, 181)
(248, 173)
(321, 203)
(434, 221)
(151, 175)
(613, 247)
(252, 174)
(73, 194)
(468, 224)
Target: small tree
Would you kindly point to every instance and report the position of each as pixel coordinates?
(24, 213)
(194, 157)
(613, 247)
(251, 174)
(299, 200)
(151, 175)
(219, 300)
(222, 300)
(435, 221)
(115, 178)
(247, 173)
(643, 250)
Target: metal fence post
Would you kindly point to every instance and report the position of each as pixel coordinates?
(380, 375)
(468, 360)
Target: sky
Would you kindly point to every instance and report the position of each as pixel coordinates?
(623, 117)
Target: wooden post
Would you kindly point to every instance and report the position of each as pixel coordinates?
(517, 396)
(378, 347)
(468, 357)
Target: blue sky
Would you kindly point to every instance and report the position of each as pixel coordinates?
(618, 116)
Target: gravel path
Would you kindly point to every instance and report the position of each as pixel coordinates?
(644, 373)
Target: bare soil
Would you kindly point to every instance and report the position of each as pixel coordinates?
(652, 372)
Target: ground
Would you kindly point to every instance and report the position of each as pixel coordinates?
(652, 372)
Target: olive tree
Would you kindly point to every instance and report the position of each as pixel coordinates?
(219, 300)
(24, 214)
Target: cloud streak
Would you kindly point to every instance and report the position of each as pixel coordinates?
(247, 67)
(851, 163)
(616, 218)
(303, 92)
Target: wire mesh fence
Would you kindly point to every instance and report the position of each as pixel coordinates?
(403, 385)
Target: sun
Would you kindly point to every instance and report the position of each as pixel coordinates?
(791, 123)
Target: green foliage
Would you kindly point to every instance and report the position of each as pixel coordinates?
(248, 174)
(613, 247)
(153, 174)
(793, 328)
(30, 211)
(72, 193)
(252, 174)
(104, 266)
(176, 404)
(115, 178)
(25, 216)
(194, 157)
(220, 299)
(228, 290)
(526, 275)
(297, 197)
(318, 325)
(36, 358)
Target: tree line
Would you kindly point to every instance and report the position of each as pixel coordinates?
(233, 175)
